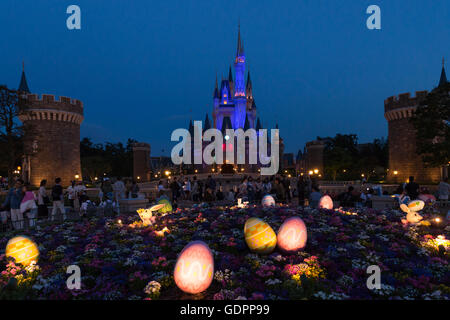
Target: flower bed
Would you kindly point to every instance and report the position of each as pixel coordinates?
(126, 260)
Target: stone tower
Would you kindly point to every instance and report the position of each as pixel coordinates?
(403, 158)
(52, 140)
(141, 162)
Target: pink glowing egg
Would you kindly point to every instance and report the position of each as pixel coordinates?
(326, 203)
(292, 235)
(194, 269)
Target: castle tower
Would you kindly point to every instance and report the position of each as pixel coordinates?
(141, 162)
(403, 158)
(240, 99)
(52, 140)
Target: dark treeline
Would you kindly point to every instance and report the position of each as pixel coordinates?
(345, 159)
(112, 159)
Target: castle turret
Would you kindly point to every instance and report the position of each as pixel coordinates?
(52, 140)
(404, 161)
(240, 100)
(23, 86)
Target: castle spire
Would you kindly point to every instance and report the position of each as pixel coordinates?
(230, 75)
(207, 123)
(216, 90)
(23, 86)
(240, 46)
(443, 79)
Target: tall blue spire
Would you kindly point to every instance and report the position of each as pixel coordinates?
(240, 46)
(23, 86)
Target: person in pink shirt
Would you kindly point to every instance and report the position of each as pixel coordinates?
(28, 205)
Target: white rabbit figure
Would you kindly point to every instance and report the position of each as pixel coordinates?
(411, 210)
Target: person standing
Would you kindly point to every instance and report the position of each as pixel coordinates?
(314, 197)
(301, 189)
(175, 187)
(412, 189)
(287, 189)
(134, 190)
(71, 194)
(13, 200)
(119, 189)
(43, 200)
(187, 188)
(28, 205)
(444, 189)
(58, 199)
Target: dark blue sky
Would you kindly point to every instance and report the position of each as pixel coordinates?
(141, 66)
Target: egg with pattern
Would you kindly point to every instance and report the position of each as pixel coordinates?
(23, 250)
(268, 201)
(194, 269)
(292, 235)
(259, 236)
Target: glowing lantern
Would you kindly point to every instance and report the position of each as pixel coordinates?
(167, 205)
(22, 249)
(292, 235)
(194, 268)
(147, 214)
(411, 211)
(268, 201)
(259, 236)
(326, 203)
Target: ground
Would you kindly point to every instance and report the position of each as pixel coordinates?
(119, 258)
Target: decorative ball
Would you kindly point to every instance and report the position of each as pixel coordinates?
(194, 269)
(22, 249)
(167, 205)
(416, 205)
(268, 201)
(292, 235)
(259, 236)
(326, 203)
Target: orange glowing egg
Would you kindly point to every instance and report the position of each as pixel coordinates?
(326, 203)
(259, 236)
(22, 249)
(194, 268)
(292, 235)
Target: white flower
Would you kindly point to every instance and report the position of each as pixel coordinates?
(152, 287)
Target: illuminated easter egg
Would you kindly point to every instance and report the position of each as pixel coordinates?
(416, 205)
(259, 236)
(194, 269)
(268, 201)
(22, 249)
(427, 198)
(326, 203)
(292, 235)
(167, 205)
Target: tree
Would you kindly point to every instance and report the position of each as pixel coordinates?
(11, 131)
(339, 154)
(431, 121)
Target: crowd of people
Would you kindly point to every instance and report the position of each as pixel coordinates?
(23, 205)
(284, 189)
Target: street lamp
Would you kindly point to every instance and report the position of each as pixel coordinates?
(316, 171)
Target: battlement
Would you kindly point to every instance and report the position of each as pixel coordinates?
(404, 100)
(52, 99)
(51, 102)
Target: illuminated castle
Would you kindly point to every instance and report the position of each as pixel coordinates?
(234, 108)
(234, 105)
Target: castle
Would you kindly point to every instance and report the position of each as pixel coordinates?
(403, 158)
(234, 108)
(52, 140)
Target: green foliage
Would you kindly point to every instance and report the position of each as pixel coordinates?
(345, 159)
(432, 123)
(114, 159)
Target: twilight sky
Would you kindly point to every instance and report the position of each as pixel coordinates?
(144, 68)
